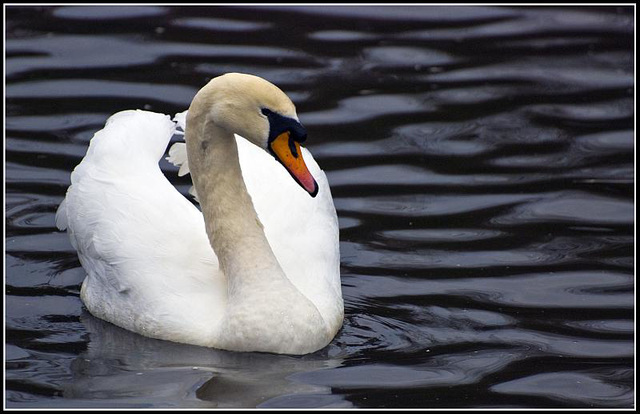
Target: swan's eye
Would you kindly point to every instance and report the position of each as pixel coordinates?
(279, 124)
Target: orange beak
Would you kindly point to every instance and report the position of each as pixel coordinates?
(287, 151)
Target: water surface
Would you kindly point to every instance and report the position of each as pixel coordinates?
(481, 161)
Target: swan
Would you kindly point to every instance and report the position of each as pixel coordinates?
(257, 269)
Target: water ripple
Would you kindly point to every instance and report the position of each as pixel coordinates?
(481, 161)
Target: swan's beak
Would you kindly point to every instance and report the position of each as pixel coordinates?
(287, 151)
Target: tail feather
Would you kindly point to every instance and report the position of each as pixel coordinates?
(181, 120)
(178, 157)
(178, 151)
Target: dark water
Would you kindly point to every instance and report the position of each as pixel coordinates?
(482, 165)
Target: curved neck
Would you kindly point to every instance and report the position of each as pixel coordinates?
(234, 230)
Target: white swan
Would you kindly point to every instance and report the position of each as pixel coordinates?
(256, 270)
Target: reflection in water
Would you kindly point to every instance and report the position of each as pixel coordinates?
(481, 161)
(120, 366)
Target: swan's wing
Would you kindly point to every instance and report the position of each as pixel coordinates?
(143, 245)
(302, 231)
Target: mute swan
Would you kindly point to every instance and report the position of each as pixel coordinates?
(256, 270)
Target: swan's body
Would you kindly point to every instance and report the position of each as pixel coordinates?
(228, 277)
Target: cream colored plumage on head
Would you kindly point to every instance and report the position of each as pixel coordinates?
(256, 270)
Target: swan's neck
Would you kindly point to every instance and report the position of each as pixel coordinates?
(264, 309)
(233, 227)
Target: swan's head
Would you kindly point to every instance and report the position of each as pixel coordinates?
(260, 112)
